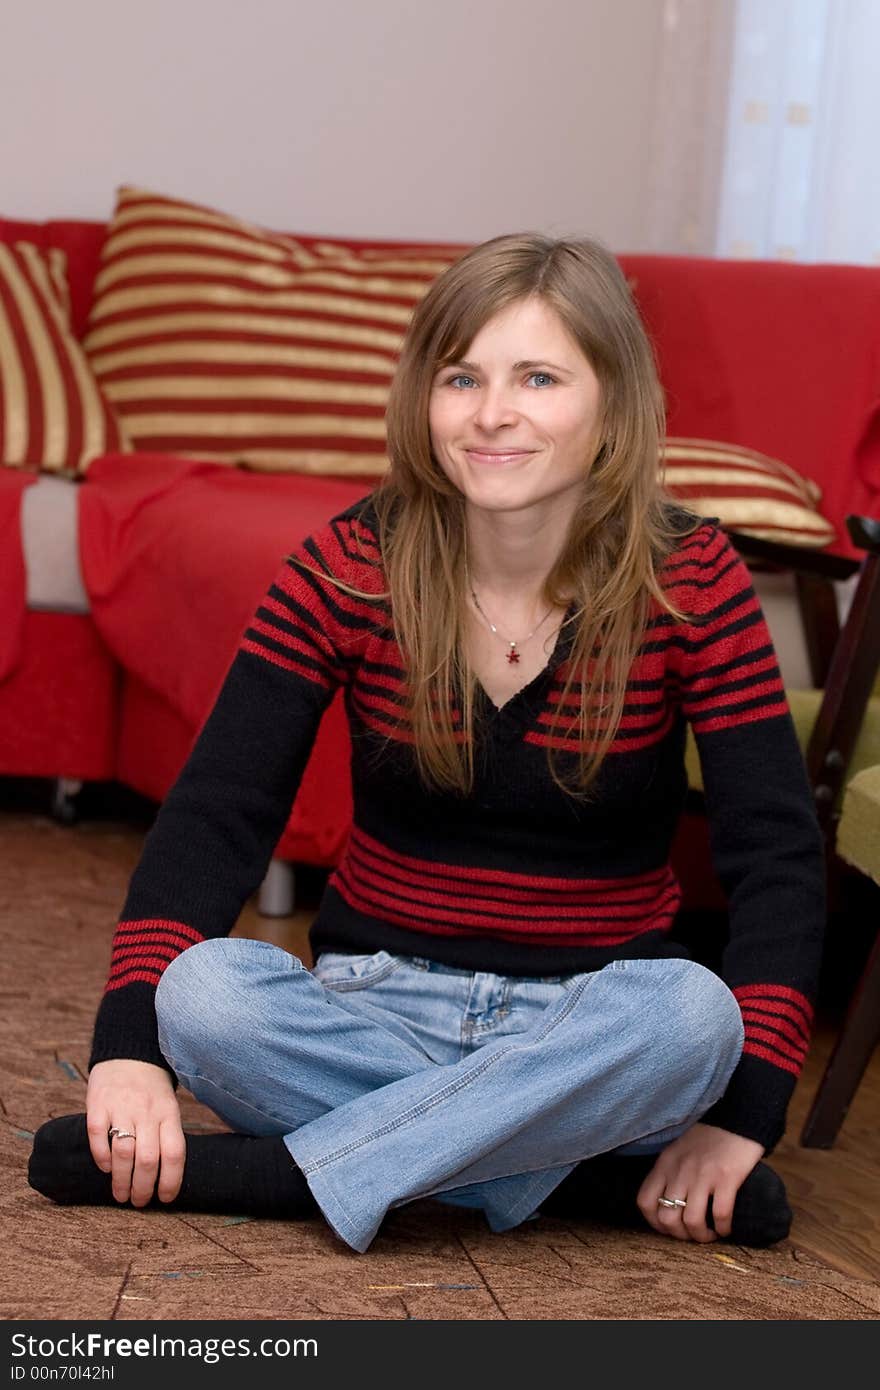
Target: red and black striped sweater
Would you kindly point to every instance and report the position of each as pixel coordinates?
(518, 878)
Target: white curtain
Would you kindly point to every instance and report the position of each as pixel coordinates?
(686, 138)
(801, 167)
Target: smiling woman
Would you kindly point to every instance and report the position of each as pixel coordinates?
(524, 424)
(507, 411)
(517, 436)
(499, 1014)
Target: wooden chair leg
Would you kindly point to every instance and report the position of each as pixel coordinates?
(846, 1066)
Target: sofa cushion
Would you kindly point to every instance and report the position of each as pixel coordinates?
(747, 491)
(54, 414)
(217, 340)
(858, 834)
(81, 243)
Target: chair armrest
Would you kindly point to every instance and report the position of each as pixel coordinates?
(864, 532)
(792, 557)
(814, 571)
(851, 677)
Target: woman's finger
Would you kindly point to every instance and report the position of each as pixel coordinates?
(97, 1126)
(661, 1182)
(670, 1219)
(723, 1199)
(694, 1214)
(146, 1165)
(122, 1151)
(172, 1148)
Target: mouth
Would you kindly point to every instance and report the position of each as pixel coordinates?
(498, 457)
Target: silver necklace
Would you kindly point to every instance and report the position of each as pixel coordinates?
(512, 646)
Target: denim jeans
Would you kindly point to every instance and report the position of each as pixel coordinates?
(393, 1078)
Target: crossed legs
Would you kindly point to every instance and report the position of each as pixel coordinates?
(635, 1052)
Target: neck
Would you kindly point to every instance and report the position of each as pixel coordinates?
(511, 553)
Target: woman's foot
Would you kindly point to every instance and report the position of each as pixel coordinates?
(237, 1173)
(605, 1188)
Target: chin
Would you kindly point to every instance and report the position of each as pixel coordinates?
(493, 502)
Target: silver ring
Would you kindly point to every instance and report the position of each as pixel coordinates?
(671, 1202)
(115, 1133)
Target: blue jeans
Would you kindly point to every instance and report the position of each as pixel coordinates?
(393, 1078)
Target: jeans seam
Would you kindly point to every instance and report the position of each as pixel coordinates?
(187, 1076)
(450, 1089)
(527, 1204)
(349, 984)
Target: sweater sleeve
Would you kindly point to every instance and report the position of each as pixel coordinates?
(766, 844)
(213, 837)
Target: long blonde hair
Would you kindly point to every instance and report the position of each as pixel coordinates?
(622, 528)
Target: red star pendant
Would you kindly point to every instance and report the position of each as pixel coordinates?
(513, 654)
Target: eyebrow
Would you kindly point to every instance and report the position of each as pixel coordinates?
(517, 366)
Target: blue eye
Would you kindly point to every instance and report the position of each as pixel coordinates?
(460, 377)
(544, 375)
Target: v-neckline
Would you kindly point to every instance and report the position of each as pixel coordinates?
(519, 697)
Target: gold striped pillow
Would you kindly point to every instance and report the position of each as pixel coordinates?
(747, 491)
(216, 339)
(53, 415)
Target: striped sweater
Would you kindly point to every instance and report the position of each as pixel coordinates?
(517, 878)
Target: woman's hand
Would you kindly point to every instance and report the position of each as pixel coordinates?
(704, 1162)
(139, 1097)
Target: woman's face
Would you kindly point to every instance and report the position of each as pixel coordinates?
(515, 423)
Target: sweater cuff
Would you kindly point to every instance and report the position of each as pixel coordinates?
(755, 1102)
(126, 1027)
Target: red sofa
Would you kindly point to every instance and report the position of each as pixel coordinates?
(58, 682)
(175, 553)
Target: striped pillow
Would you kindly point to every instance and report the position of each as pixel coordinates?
(747, 491)
(217, 339)
(53, 415)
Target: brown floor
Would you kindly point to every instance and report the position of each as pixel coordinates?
(60, 891)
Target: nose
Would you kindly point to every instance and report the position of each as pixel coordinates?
(494, 408)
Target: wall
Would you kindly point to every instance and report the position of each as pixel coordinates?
(456, 119)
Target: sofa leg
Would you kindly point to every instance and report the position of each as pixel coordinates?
(278, 890)
(64, 809)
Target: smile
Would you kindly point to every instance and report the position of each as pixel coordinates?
(498, 457)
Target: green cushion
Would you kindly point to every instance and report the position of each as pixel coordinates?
(804, 708)
(858, 834)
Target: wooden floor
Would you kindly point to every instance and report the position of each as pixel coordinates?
(835, 1193)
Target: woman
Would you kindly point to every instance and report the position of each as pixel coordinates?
(498, 1016)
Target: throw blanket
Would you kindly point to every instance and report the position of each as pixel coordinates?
(176, 556)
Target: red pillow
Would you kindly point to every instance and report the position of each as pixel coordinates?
(217, 340)
(747, 491)
(54, 416)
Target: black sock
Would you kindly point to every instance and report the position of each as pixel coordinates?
(605, 1188)
(241, 1174)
